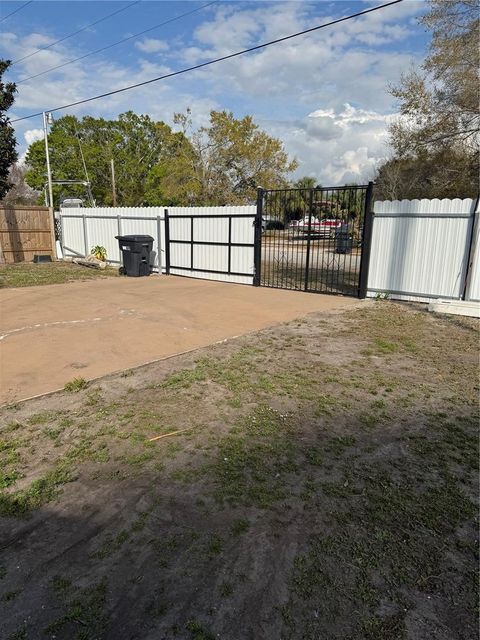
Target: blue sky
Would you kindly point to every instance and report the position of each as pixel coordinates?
(323, 94)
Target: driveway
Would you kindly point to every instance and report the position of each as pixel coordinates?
(52, 334)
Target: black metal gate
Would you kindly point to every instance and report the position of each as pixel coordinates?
(315, 239)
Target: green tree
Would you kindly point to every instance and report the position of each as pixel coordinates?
(306, 182)
(136, 143)
(173, 181)
(445, 173)
(439, 106)
(295, 205)
(8, 153)
(225, 162)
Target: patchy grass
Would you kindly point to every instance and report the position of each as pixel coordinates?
(239, 526)
(75, 385)
(254, 459)
(198, 631)
(83, 608)
(40, 492)
(324, 488)
(27, 274)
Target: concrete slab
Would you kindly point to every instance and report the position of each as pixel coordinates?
(51, 334)
(456, 308)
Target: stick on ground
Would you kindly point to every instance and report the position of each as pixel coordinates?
(172, 433)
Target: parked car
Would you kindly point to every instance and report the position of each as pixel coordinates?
(302, 224)
(329, 227)
(325, 228)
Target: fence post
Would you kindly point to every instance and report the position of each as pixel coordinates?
(473, 247)
(60, 222)
(119, 233)
(159, 245)
(366, 242)
(257, 250)
(309, 236)
(167, 243)
(53, 238)
(85, 236)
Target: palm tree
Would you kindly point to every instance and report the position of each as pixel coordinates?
(297, 202)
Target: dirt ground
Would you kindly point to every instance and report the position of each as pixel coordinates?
(325, 487)
(50, 335)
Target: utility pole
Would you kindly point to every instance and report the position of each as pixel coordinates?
(114, 192)
(47, 119)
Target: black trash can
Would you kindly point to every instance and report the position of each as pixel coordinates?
(136, 252)
(343, 240)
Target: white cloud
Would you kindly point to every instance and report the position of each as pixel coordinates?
(335, 146)
(151, 45)
(32, 135)
(324, 94)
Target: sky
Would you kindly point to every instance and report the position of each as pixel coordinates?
(325, 95)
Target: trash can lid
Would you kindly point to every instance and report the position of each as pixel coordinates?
(134, 238)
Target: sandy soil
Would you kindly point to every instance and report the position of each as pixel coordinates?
(325, 488)
(52, 334)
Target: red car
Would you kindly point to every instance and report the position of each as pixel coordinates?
(325, 228)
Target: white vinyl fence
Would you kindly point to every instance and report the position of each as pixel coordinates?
(83, 228)
(421, 248)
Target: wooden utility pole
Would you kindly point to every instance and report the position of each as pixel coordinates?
(114, 193)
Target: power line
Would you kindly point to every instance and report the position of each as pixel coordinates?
(70, 35)
(114, 44)
(214, 61)
(16, 10)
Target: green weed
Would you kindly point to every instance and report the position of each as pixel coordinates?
(85, 607)
(75, 385)
(239, 526)
(37, 494)
(198, 632)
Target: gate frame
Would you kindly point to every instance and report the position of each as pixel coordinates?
(257, 250)
(365, 244)
(192, 242)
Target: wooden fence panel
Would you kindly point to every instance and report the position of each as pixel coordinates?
(24, 232)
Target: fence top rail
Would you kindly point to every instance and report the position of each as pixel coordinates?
(23, 207)
(80, 216)
(338, 188)
(454, 216)
(139, 212)
(216, 216)
(435, 207)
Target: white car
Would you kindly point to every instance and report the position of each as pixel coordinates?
(325, 228)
